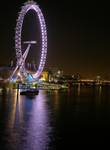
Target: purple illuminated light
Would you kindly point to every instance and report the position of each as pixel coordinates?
(31, 5)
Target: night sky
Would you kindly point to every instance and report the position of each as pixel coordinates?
(78, 35)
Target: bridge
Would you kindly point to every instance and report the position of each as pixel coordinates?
(94, 82)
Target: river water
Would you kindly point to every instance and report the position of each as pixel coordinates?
(54, 120)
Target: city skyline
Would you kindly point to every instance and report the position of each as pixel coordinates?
(78, 36)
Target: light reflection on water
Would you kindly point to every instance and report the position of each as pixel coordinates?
(54, 119)
(39, 128)
(26, 123)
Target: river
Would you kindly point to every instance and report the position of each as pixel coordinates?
(54, 120)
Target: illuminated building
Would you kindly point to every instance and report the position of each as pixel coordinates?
(45, 76)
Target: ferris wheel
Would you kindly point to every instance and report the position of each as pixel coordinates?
(20, 56)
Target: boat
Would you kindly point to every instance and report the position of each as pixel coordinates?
(29, 92)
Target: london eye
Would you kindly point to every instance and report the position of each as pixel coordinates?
(20, 56)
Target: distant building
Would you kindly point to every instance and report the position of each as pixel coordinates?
(5, 72)
(76, 76)
(45, 76)
(55, 74)
(11, 63)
